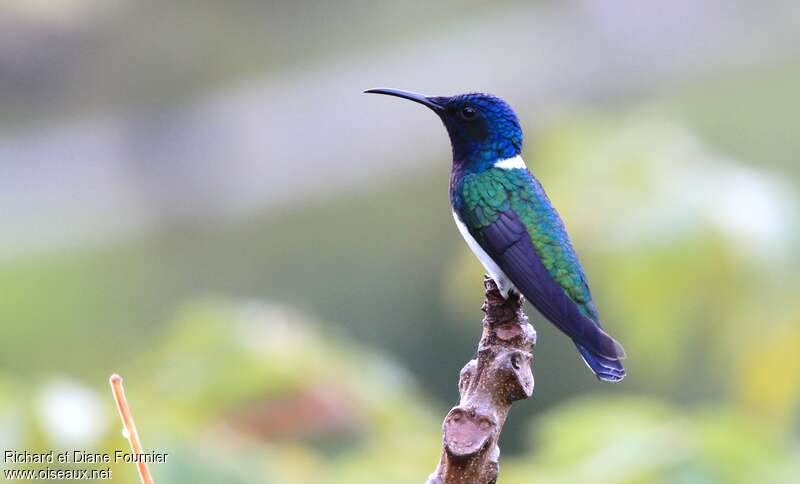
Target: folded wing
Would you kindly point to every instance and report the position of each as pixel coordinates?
(507, 241)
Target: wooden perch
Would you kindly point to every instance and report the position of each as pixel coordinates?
(500, 375)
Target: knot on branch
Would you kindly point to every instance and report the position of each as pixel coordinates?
(467, 432)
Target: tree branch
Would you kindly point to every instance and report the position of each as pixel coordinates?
(488, 385)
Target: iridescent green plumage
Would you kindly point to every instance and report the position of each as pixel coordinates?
(487, 194)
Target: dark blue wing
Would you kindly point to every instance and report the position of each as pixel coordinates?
(507, 242)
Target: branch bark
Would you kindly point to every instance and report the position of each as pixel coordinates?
(500, 374)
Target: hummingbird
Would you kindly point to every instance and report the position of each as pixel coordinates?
(509, 223)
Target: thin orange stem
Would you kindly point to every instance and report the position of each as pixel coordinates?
(130, 427)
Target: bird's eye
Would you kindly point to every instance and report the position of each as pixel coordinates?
(468, 112)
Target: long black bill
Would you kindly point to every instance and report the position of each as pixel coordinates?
(411, 96)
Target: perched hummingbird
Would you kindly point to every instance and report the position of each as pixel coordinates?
(507, 220)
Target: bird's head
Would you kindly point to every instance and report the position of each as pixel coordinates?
(483, 128)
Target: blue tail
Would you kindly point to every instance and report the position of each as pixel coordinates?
(604, 368)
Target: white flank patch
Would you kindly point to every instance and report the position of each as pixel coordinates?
(497, 274)
(511, 163)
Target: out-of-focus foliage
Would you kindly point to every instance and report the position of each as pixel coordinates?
(632, 440)
(243, 392)
(249, 392)
(285, 397)
(669, 148)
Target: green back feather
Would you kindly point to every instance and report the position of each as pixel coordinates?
(485, 195)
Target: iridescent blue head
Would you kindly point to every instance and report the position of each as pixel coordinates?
(483, 128)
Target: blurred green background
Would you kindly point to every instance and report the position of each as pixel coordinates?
(196, 195)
